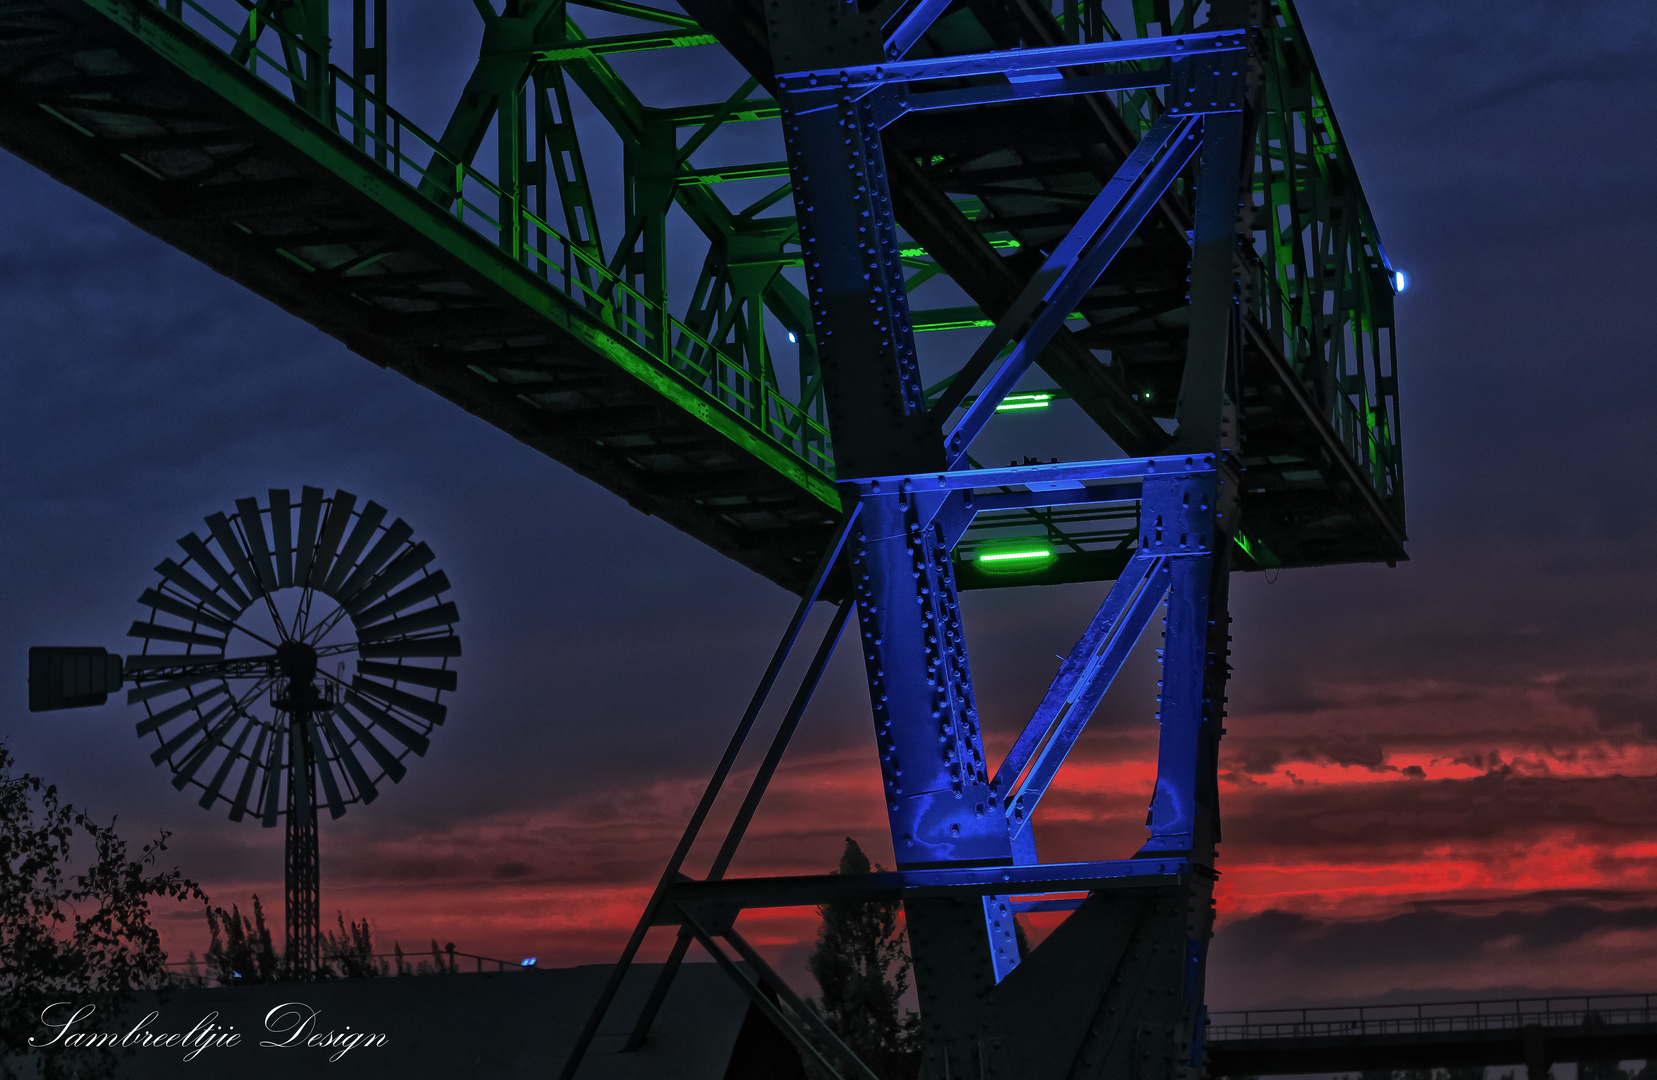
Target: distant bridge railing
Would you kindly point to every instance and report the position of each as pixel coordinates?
(1433, 1017)
(447, 961)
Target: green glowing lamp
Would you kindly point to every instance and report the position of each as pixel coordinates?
(1016, 558)
(1037, 400)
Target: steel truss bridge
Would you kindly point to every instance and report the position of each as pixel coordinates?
(1531, 1032)
(1152, 219)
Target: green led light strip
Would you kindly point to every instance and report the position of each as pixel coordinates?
(1005, 556)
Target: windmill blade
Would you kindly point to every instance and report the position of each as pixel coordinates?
(179, 609)
(366, 791)
(281, 530)
(368, 523)
(196, 548)
(339, 516)
(144, 693)
(413, 704)
(310, 515)
(238, 808)
(253, 527)
(217, 783)
(436, 678)
(201, 751)
(219, 526)
(330, 786)
(390, 724)
(172, 746)
(401, 569)
(154, 632)
(442, 615)
(384, 758)
(411, 648)
(388, 545)
(273, 782)
(172, 712)
(193, 585)
(425, 589)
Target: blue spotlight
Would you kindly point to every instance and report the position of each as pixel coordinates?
(1400, 281)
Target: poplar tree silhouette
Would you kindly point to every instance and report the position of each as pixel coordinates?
(246, 953)
(862, 966)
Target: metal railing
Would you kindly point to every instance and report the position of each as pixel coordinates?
(1433, 1017)
(447, 961)
(452, 186)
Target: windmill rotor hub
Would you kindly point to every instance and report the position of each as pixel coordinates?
(297, 662)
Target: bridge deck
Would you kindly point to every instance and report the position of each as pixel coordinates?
(1532, 1032)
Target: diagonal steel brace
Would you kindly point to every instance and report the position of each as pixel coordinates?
(744, 815)
(808, 599)
(1070, 271)
(1076, 691)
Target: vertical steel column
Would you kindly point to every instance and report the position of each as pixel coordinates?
(302, 884)
(314, 32)
(368, 66)
(511, 137)
(650, 166)
(1184, 815)
(940, 807)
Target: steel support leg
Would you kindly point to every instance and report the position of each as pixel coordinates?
(825, 565)
(302, 880)
(940, 807)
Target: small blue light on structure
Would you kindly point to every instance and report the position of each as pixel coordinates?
(527, 962)
(791, 338)
(1400, 281)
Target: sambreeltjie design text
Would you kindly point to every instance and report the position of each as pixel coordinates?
(292, 1025)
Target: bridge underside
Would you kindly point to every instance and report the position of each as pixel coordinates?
(258, 191)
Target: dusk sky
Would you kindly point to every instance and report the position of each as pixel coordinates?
(1439, 779)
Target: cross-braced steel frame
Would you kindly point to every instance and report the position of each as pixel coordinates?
(1117, 989)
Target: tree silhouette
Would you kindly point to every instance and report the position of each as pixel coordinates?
(245, 953)
(69, 937)
(862, 967)
(351, 955)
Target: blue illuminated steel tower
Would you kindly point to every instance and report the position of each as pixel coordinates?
(1117, 990)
